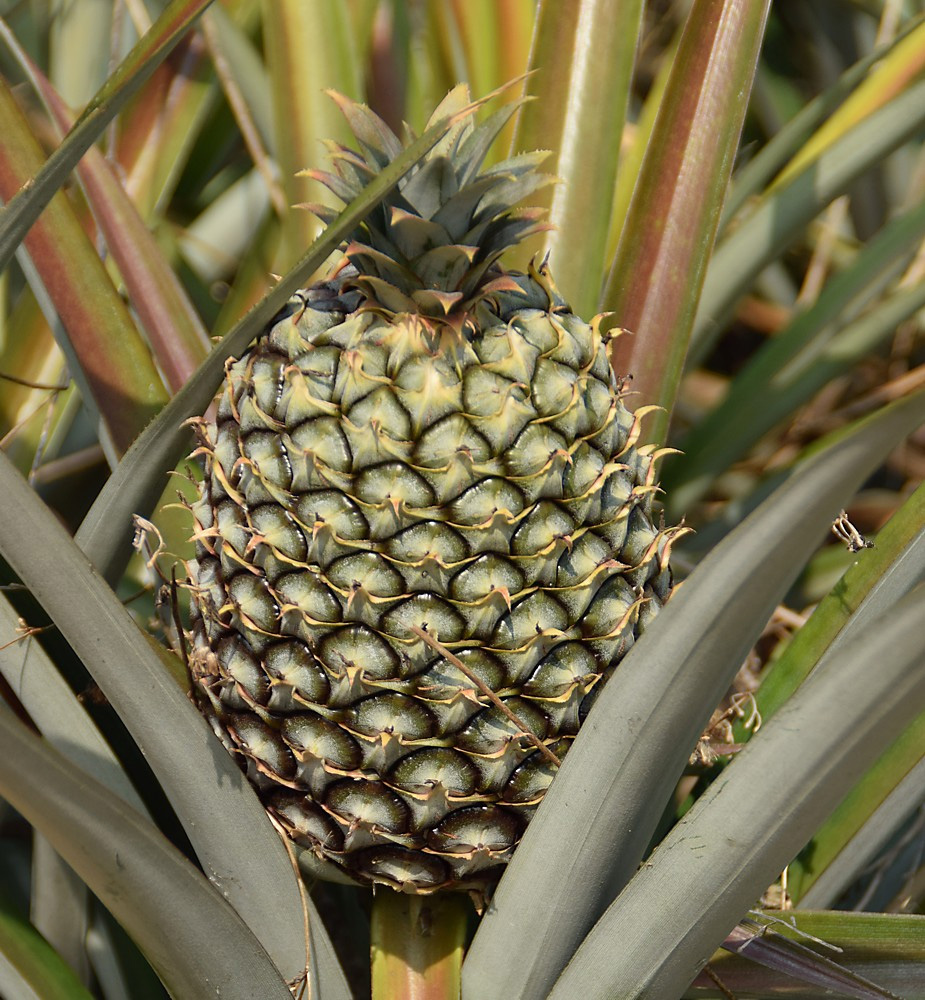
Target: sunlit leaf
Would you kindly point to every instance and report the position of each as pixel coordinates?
(110, 360)
(656, 276)
(154, 46)
(582, 62)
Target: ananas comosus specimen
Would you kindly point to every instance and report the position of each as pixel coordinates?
(425, 535)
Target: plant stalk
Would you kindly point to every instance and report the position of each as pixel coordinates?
(417, 945)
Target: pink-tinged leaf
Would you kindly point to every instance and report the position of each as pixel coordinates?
(582, 62)
(658, 271)
(871, 948)
(138, 65)
(158, 128)
(116, 369)
(175, 332)
(797, 961)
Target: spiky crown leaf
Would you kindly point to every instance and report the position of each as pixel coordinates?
(431, 246)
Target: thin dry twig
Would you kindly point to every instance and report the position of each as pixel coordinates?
(487, 691)
(30, 384)
(720, 985)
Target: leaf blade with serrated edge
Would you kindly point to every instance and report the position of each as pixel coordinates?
(647, 719)
(197, 943)
(754, 817)
(152, 48)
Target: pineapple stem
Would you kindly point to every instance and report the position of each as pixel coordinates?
(417, 945)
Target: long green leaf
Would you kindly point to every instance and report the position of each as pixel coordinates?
(864, 823)
(785, 213)
(825, 340)
(223, 818)
(750, 822)
(66, 726)
(637, 738)
(582, 63)
(656, 276)
(633, 153)
(248, 71)
(902, 65)
(109, 358)
(782, 147)
(22, 211)
(52, 706)
(30, 969)
(876, 580)
(199, 946)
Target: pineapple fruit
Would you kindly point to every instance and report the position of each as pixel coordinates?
(425, 535)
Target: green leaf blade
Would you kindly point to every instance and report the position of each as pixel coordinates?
(647, 719)
(744, 829)
(22, 211)
(118, 373)
(582, 62)
(195, 941)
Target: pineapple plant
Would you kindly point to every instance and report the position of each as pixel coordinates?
(634, 877)
(425, 535)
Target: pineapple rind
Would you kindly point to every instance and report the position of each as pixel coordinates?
(423, 442)
(350, 498)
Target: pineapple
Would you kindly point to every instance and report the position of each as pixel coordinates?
(425, 535)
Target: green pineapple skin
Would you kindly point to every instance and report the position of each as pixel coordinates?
(368, 474)
(424, 447)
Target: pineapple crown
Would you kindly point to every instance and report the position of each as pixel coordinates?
(431, 247)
